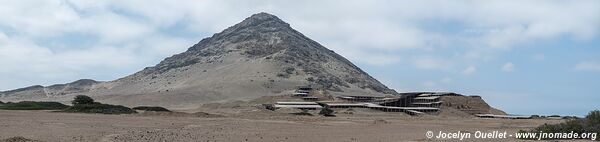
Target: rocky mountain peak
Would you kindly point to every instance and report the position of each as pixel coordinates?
(265, 36)
(258, 23)
(262, 18)
(258, 27)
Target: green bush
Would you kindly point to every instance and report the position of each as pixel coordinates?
(589, 124)
(85, 104)
(151, 108)
(82, 99)
(592, 122)
(100, 108)
(30, 105)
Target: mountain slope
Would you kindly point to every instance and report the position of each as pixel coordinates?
(260, 56)
(38, 91)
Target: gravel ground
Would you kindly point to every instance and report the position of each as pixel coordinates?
(263, 126)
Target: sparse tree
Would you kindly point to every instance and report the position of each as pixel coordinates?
(594, 117)
(82, 99)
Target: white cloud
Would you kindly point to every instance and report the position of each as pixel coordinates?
(373, 32)
(26, 63)
(366, 56)
(588, 66)
(22, 56)
(432, 63)
(469, 70)
(508, 67)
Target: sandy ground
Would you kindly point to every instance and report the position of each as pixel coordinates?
(53, 126)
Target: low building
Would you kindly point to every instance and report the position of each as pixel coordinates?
(297, 105)
(503, 116)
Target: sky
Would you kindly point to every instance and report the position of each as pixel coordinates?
(522, 56)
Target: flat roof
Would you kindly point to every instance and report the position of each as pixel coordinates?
(428, 103)
(341, 104)
(372, 105)
(416, 112)
(297, 103)
(502, 116)
(389, 98)
(403, 108)
(365, 96)
(298, 106)
(424, 95)
(427, 98)
(416, 108)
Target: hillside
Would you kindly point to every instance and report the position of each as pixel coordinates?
(260, 56)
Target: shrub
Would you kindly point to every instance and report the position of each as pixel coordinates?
(100, 108)
(283, 75)
(589, 124)
(30, 105)
(592, 122)
(593, 117)
(568, 126)
(151, 108)
(326, 112)
(289, 70)
(85, 104)
(18, 139)
(82, 99)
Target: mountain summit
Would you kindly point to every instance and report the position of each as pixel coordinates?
(260, 56)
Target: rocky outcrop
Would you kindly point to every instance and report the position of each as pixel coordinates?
(469, 104)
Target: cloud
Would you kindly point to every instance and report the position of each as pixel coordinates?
(588, 66)
(431, 63)
(508, 67)
(20, 55)
(469, 70)
(505, 23)
(369, 57)
(376, 33)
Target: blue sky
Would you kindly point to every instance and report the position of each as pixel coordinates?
(524, 57)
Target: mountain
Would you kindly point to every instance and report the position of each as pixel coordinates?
(38, 91)
(260, 56)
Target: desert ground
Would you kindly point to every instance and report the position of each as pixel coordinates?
(245, 125)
